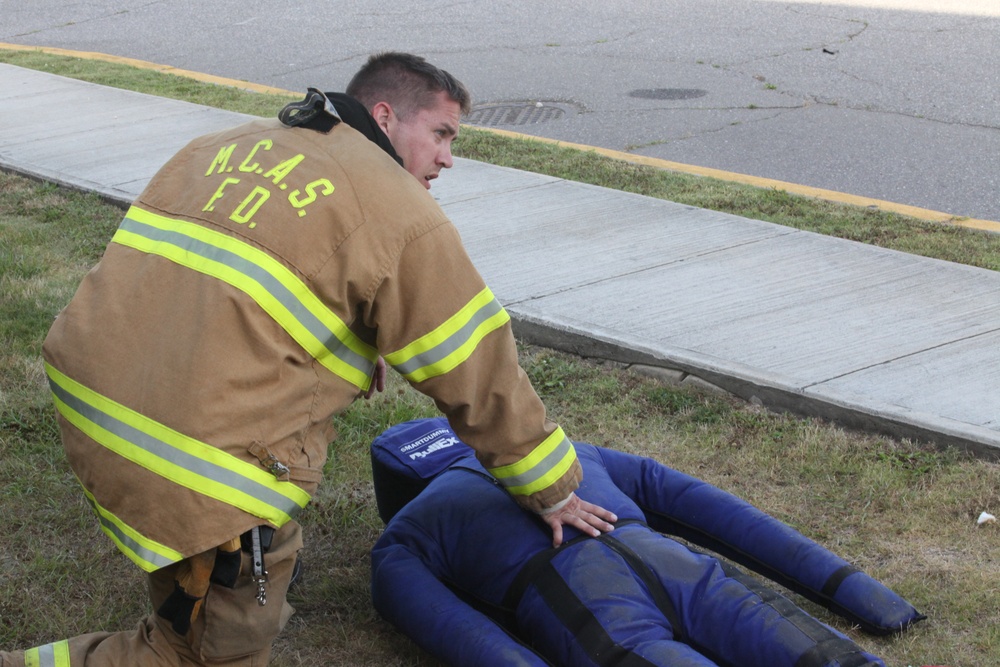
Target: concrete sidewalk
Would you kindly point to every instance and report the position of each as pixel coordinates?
(872, 338)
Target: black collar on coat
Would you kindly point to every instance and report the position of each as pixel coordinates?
(322, 111)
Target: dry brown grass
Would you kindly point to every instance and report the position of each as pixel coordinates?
(900, 510)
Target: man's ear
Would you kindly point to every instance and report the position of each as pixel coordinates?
(383, 115)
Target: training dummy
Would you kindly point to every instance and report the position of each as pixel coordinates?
(497, 593)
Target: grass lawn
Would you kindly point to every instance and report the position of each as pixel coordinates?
(902, 511)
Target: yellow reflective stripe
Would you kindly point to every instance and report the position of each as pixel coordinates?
(441, 350)
(272, 285)
(174, 456)
(540, 469)
(148, 554)
(50, 655)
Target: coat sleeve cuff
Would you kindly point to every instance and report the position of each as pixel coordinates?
(555, 494)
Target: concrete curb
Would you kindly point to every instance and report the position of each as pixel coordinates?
(682, 367)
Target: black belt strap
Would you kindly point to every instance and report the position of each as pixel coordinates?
(582, 623)
(574, 615)
(660, 597)
(526, 575)
(530, 570)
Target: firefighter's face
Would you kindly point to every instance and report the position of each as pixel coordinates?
(424, 139)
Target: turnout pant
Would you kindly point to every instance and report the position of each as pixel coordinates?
(232, 628)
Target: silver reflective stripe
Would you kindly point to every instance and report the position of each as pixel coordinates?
(155, 560)
(540, 469)
(50, 655)
(165, 451)
(451, 343)
(47, 655)
(300, 312)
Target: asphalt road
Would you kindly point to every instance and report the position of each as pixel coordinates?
(891, 99)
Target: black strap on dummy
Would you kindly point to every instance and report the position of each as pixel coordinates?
(833, 583)
(574, 614)
(829, 648)
(529, 571)
(660, 597)
(582, 623)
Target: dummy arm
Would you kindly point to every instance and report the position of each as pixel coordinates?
(684, 506)
(410, 597)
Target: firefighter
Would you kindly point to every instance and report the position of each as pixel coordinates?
(251, 293)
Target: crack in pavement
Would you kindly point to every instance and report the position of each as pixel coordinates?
(714, 130)
(68, 24)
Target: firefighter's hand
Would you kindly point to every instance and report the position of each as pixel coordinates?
(586, 517)
(378, 379)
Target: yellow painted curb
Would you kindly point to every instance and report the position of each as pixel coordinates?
(804, 190)
(142, 64)
(794, 188)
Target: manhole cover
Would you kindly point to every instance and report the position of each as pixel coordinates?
(523, 113)
(668, 93)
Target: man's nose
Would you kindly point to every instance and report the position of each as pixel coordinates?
(445, 158)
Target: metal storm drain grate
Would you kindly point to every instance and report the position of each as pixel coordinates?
(668, 93)
(524, 113)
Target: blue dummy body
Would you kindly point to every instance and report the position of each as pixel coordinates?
(474, 580)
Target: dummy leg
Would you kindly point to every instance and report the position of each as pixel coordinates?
(588, 608)
(636, 597)
(733, 618)
(232, 628)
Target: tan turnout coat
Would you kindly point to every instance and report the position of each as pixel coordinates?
(241, 304)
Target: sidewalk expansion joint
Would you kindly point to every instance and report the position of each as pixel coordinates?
(887, 362)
